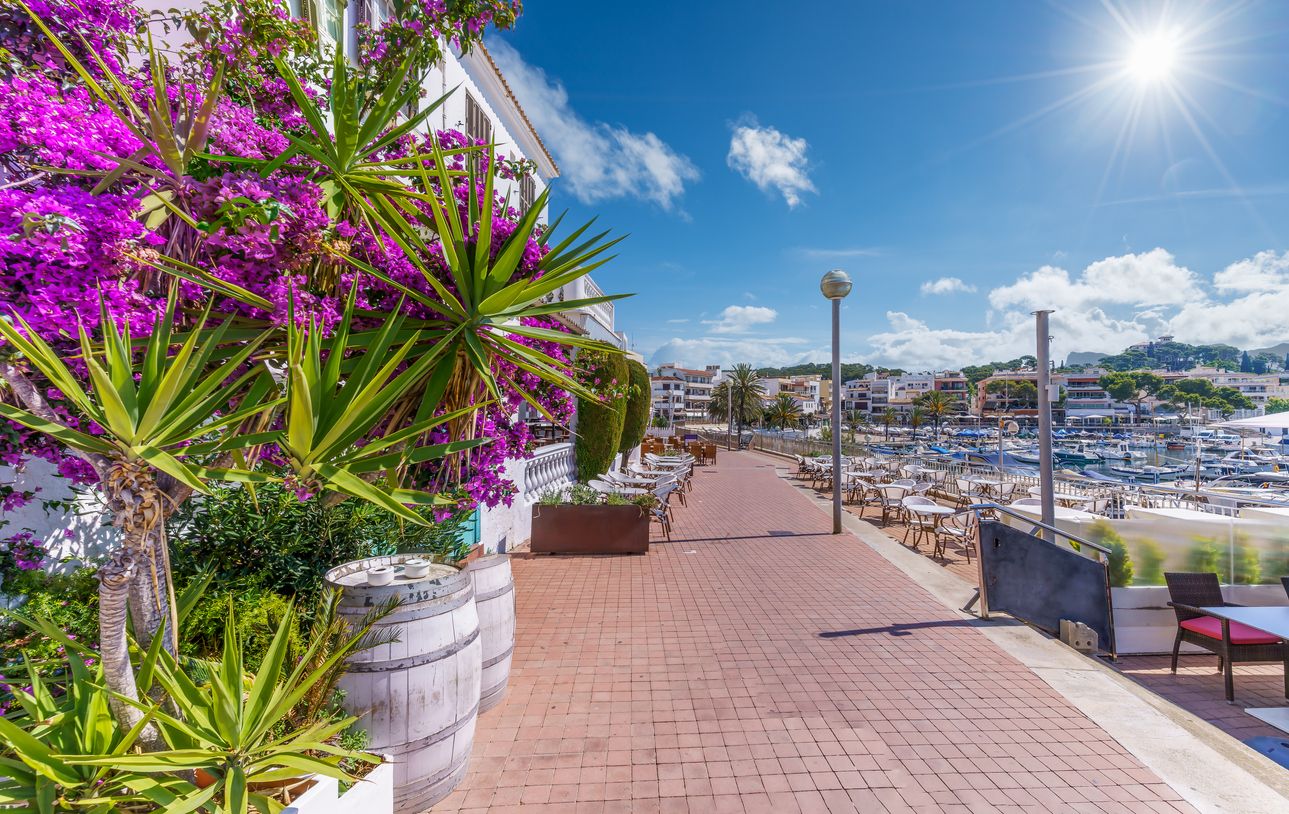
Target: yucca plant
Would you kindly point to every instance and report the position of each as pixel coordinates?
(152, 412)
(190, 409)
(234, 729)
(63, 718)
(346, 141)
(171, 134)
(55, 725)
(486, 296)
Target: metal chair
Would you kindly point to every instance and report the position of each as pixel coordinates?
(958, 528)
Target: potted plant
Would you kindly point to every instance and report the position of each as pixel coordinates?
(580, 520)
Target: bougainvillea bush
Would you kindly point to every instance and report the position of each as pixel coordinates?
(249, 259)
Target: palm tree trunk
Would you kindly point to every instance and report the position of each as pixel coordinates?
(115, 577)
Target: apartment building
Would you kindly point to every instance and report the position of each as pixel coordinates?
(809, 392)
(954, 384)
(683, 394)
(1085, 398)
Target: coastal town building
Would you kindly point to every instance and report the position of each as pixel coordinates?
(682, 394)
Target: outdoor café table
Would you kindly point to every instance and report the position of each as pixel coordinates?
(937, 514)
(986, 485)
(1273, 619)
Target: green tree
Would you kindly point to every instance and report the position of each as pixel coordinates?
(1131, 387)
(600, 417)
(915, 420)
(1277, 405)
(1151, 559)
(783, 412)
(889, 418)
(1248, 569)
(745, 387)
(635, 422)
(936, 405)
(1016, 393)
(1205, 557)
(1121, 569)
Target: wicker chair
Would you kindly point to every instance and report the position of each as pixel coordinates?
(1231, 641)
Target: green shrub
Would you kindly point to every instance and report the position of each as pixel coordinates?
(269, 539)
(1205, 557)
(69, 601)
(1150, 559)
(635, 422)
(259, 613)
(599, 422)
(1275, 560)
(1248, 570)
(1121, 569)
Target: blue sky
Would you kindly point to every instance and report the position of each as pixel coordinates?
(1126, 164)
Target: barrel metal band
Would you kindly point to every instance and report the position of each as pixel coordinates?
(499, 657)
(413, 613)
(413, 661)
(430, 740)
(502, 591)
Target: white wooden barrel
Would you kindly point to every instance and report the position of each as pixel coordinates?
(418, 697)
(494, 596)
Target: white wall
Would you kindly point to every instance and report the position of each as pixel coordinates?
(82, 532)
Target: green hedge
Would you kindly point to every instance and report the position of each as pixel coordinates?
(639, 406)
(599, 424)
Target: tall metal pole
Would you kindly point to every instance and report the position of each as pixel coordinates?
(1045, 484)
(836, 417)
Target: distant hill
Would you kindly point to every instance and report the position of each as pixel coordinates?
(1275, 350)
(1084, 358)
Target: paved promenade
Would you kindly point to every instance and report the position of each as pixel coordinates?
(757, 663)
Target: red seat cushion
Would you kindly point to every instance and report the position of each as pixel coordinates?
(1240, 633)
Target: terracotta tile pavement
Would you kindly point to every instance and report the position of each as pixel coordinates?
(1197, 687)
(751, 665)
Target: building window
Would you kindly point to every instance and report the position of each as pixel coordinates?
(527, 192)
(477, 125)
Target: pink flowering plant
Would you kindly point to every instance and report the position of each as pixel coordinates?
(255, 264)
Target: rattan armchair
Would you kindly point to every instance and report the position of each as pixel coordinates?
(1231, 641)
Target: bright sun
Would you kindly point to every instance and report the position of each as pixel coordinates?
(1152, 58)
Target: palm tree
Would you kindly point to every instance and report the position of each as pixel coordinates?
(783, 411)
(888, 418)
(915, 421)
(936, 405)
(742, 386)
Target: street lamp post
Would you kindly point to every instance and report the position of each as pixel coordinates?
(835, 285)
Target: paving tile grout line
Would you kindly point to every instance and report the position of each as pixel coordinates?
(1211, 770)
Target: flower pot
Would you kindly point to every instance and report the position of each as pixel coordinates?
(569, 529)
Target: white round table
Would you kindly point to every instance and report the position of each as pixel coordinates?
(936, 512)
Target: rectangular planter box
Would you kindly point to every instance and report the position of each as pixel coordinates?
(1144, 624)
(590, 530)
(374, 794)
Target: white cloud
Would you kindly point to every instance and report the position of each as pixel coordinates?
(597, 160)
(677, 321)
(1111, 304)
(770, 159)
(1262, 272)
(1149, 278)
(947, 285)
(731, 350)
(737, 319)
